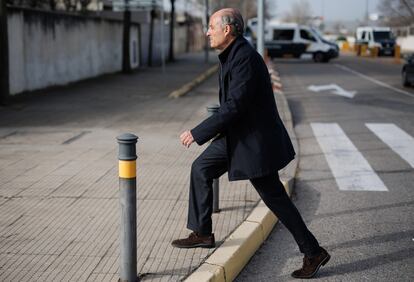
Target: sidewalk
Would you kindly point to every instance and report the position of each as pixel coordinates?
(59, 213)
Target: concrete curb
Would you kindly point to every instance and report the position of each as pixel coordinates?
(226, 262)
(195, 82)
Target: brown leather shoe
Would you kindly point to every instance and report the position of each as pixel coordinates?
(195, 240)
(311, 265)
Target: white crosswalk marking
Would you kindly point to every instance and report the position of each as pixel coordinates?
(351, 170)
(397, 139)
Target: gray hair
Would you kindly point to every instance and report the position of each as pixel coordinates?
(233, 18)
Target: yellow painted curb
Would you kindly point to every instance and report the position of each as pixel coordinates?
(189, 86)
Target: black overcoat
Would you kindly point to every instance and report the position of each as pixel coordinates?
(257, 141)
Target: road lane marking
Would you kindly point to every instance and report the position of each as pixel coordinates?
(351, 170)
(397, 139)
(336, 89)
(383, 84)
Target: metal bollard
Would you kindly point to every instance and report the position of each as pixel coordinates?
(211, 110)
(128, 199)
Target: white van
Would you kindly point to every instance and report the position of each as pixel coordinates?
(295, 40)
(380, 37)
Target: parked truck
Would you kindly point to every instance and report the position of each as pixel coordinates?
(380, 39)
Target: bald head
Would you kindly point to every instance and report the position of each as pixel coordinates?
(224, 27)
(232, 17)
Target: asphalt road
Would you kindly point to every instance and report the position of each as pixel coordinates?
(355, 182)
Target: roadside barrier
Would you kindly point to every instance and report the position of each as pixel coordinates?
(374, 51)
(211, 110)
(128, 203)
(356, 49)
(363, 50)
(345, 46)
(397, 54)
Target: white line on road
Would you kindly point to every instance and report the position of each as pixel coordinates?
(398, 140)
(336, 89)
(375, 81)
(351, 170)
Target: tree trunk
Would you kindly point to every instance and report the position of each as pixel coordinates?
(126, 64)
(4, 55)
(151, 36)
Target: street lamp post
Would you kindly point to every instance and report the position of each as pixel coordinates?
(206, 40)
(260, 27)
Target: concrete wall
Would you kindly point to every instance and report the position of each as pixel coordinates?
(56, 48)
(48, 49)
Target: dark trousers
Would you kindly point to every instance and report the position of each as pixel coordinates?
(212, 163)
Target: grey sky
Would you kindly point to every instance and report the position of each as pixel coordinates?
(333, 10)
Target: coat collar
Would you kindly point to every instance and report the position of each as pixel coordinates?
(226, 52)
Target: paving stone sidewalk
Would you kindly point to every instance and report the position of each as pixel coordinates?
(59, 206)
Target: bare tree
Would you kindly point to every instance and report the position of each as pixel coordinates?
(84, 4)
(299, 13)
(70, 5)
(52, 4)
(397, 12)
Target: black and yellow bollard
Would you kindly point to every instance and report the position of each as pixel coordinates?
(128, 198)
(211, 110)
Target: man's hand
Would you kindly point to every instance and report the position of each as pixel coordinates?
(186, 138)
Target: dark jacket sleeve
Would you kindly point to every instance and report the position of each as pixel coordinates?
(240, 90)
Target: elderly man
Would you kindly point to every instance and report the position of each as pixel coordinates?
(250, 142)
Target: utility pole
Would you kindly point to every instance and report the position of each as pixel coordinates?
(162, 39)
(206, 41)
(126, 62)
(4, 54)
(172, 23)
(260, 27)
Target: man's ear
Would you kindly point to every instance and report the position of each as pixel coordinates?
(227, 29)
